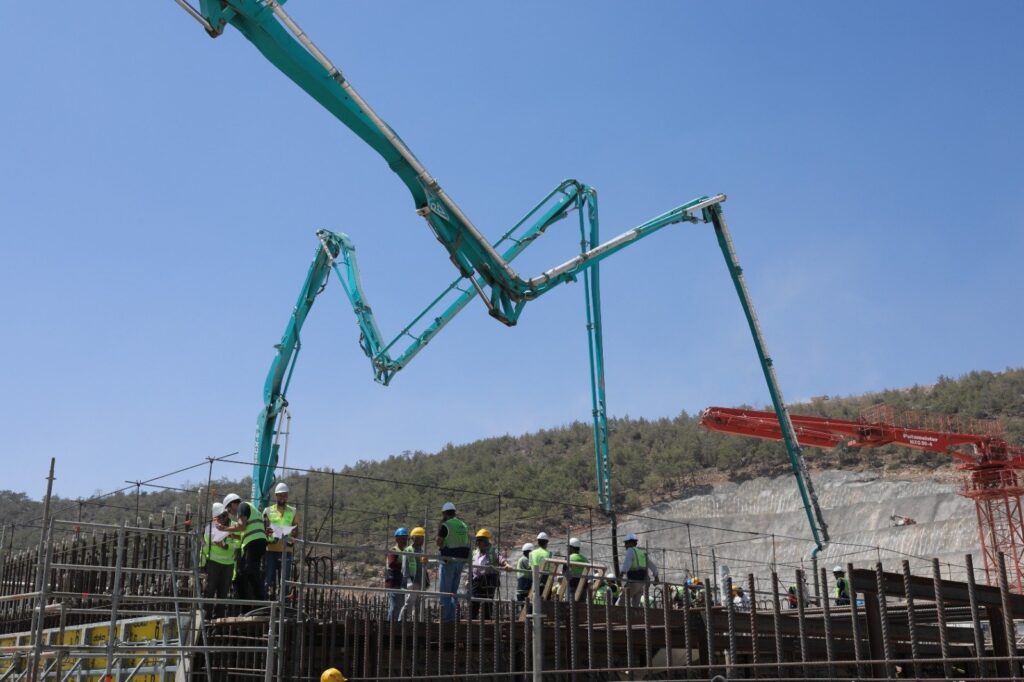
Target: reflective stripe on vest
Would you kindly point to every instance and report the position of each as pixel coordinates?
(285, 518)
(638, 569)
(254, 529)
(601, 595)
(214, 552)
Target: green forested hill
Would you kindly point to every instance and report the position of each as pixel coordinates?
(541, 477)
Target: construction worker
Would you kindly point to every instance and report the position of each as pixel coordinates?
(538, 556)
(280, 516)
(604, 593)
(485, 578)
(249, 522)
(524, 577)
(332, 675)
(637, 567)
(453, 543)
(575, 573)
(218, 560)
(740, 599)
(415, 570)
(792, 598)
(394, 573)
(842, 590)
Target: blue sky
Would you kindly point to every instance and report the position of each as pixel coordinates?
(159, 192)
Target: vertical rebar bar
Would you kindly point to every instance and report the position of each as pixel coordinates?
(940, 614)
(38, 615)
(730, 616)
(826, 612)
(777, 621)
(979, 635)
(538, 635)
(754, 649)
(1008, 624)
(647, 624)
(687, 641)
(908, 597)
(858, 653)
(801, 618)
(666, 618)
(883, 619)
(115, 598)
(709, 630)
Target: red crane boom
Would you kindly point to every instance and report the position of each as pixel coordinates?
(990, 464)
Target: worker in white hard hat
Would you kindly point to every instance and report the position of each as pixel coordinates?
(638, 569)
(574, 570)
(537, 558)
(524, 577)
(842, 588)
(283, 520)
(217, 558)
(453, 546)
(249, 522)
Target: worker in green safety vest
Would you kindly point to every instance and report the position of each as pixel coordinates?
(842, 589)
(604, 593)
(538, 556)
(283, 520)
(453, 546)
(572, 571)
(217, 559)
(638, 568)
(414, 567)
(250, 523)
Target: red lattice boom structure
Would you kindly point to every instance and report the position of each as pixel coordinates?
(990, 465)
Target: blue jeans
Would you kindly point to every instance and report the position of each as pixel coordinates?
(396, 600)
(271, 566)
(448, 585)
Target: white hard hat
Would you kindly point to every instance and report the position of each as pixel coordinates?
(448, 506)
(218, 509)
(529, 547)
(231, 497)
(281, 488)
(609, 573)
(575, 542)
(837, 569)
(542, 535)
(630, 537)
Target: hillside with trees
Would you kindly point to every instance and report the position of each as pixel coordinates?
(546, 479)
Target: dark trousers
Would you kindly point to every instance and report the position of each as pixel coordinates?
(482, 588)
(218, 586)
(250, 571)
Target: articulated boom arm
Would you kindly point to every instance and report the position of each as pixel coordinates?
(284, 44)
(820, 432)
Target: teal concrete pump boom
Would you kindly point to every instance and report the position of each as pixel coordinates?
(484, 269)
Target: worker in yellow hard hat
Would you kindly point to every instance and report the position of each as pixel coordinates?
(332, 675)
(415, 572)
(485, 577)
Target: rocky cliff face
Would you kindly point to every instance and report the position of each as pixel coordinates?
(857, 507)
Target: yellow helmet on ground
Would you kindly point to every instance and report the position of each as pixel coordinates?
(332, 675)
(418, 532)
(483, 533)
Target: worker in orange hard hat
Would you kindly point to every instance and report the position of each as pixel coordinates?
(485, 578)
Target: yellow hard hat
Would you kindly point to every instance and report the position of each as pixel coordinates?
(332, 675)
(483, 533)
(418, 532)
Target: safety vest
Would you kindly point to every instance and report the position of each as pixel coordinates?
(638, 569)
(254, 529)
(538, 556)
(842, 588)
(525, 578)
(577, 571)
(280, 518)
(456, 541)
(602, 595)
(212, 551)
